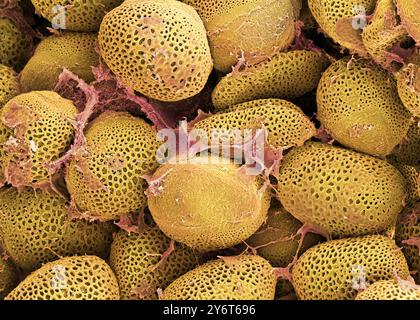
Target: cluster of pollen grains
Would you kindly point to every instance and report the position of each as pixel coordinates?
(237, 278)
(70, 278)
(337, 269)
(158, 48)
